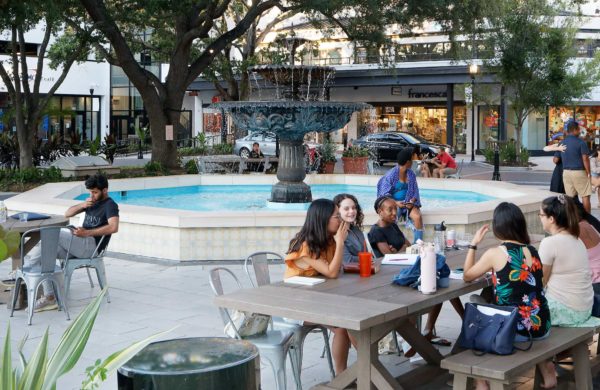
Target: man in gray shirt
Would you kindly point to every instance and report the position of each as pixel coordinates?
(576, 165)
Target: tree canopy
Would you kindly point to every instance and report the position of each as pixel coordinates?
(190, 34)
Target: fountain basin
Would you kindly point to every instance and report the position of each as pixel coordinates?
(183, 235)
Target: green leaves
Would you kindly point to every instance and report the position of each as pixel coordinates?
(72, 343)
(42, 373)
(9, 243)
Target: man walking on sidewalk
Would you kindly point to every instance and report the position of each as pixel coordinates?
(576, 165)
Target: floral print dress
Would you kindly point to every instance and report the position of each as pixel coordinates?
(520, 285)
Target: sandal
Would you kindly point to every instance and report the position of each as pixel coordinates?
(433, 339)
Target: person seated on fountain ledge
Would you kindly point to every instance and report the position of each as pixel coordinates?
(400, 183)
(256, 153)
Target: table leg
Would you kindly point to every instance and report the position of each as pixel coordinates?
(416, 340)
(581, 360)
(34, 238)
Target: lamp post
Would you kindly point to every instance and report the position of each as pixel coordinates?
(473, 70)
(91, 112)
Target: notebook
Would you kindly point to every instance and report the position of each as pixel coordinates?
(399, 259)
(303, 280)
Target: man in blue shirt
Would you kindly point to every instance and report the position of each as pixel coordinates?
(576, 165)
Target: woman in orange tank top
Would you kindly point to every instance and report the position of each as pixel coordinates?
(318, 249)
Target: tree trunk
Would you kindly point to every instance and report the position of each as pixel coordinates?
(25, 137)
(159, 116)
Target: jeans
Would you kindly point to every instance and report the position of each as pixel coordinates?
(81, 247)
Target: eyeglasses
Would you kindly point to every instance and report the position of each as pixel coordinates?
(542, 215)
(338, 216)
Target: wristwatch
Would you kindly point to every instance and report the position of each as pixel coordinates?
(474, 247)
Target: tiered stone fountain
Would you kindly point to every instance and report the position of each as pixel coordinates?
(300, 108)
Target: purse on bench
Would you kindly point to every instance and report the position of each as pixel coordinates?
(490, 329)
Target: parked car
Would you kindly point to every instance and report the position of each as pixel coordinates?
(266, 141)
(384, 146)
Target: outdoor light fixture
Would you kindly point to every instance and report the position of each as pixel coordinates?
(473, 70)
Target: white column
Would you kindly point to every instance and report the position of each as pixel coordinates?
(198, 117)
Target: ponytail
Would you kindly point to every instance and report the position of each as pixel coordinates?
(564, 211)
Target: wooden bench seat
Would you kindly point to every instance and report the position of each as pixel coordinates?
(500, 370)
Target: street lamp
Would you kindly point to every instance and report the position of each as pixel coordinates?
(91, 112)
(473, 70)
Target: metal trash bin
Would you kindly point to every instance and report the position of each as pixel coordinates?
(207, 363)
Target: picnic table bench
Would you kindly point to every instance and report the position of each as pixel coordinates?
(232, 163)
(368, 307)
(500, 370)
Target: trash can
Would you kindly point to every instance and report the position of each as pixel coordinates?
(207, 363)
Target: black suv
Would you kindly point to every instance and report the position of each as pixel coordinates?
(385, 146)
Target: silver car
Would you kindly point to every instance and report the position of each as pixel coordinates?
(266, 141)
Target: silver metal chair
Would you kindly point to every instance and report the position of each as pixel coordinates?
(96, 261)
(47, 270)
(273, 346)
(260, 263)
(458, 171)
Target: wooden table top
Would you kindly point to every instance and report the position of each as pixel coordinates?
(21, 227)
(350, 301)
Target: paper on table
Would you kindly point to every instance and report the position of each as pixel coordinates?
(303, 280)
(456, 275)
(399, 259)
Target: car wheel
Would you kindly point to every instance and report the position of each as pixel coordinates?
(244, 153)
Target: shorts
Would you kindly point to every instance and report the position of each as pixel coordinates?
(448, 171)
(577, 183)
(562, 315)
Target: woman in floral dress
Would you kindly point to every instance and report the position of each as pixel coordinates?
(517, 277)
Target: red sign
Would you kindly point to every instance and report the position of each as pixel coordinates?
(216, 99)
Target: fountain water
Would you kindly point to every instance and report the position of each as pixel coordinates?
(296, 113)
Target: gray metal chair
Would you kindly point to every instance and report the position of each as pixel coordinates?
(47, 270)
(96, 261)
(458, 171)
(273, 345)
(260, 263)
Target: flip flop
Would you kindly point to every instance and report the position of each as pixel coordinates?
(440, 341)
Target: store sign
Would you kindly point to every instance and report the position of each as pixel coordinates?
(397, 91)
(412, 94)
(468, 94)
(390, 110)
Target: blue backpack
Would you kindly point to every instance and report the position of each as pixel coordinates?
(410, 276)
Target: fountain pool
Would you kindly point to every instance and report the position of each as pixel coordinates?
(180, 235)
(252, 197)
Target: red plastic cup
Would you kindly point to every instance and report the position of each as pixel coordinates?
(364, 264)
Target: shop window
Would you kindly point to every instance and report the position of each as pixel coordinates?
(488, 125)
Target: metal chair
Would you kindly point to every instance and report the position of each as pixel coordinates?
(47, 270)
(95, 261)
(458, 171)
(273, 345)
(260, 263)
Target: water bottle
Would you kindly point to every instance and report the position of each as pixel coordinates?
(428, 270)
(439, 238)
(3, 212)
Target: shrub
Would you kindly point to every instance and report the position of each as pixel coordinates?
(222, 149)
(190, 167)
(488, 154)
(524, 156)
(154, 168)
(508, 152)
(356, 151)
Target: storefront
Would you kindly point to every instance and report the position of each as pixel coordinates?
(69, 116)
(428, 121)
(588, 118)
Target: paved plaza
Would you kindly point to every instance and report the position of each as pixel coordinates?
(150, 298)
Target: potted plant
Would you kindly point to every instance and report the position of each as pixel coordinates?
(328, 153)
(355, 160)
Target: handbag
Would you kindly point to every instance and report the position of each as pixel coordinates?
(490, 329)
(247, 324)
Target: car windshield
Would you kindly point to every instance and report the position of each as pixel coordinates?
(411, 139)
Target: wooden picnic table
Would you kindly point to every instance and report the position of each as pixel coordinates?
(369, 308)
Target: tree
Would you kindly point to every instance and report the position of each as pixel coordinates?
(23, 88)
(534, 59)
(185, 34)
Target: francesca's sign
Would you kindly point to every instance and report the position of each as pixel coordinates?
(416, 94)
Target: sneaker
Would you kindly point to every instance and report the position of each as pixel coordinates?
(45, 303)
